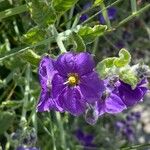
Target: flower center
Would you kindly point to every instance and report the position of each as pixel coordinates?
(73, 79)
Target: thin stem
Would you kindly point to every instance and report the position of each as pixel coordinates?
(58, 40)
(70, 16)
(105, 14)
(133, 15)
(136, 146)
(95, 45)
(133, 6)
(61, 129)
(26, 94)
(52, 133)
(115, 3)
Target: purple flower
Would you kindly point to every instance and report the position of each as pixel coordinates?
(126, 126)
(110, 101)
(85, 139)
(112, 13)
(120, 44)
(27, 148)
(119, 95)
(85, 16)
(69, 83)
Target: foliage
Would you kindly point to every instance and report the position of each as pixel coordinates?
(31, 29)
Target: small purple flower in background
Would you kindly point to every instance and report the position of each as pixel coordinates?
(85, 139)
(69, 83)
(85, 16)
(27, 148)
(120, 44)
(126, 126)
(112, 13)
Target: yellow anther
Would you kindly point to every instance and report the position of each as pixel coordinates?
(73, 79)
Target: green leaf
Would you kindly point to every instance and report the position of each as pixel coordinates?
(89, 34)
(104, 66)
(124, 58)
(11, 104)
(98, 2)
(6, 120)
(61, 6)
(31, 57)
(3, 49)
(78, 41)
(33, 36)
(41, 13)
(129, 77)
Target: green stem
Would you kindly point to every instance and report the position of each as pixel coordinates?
(105, 14)
(136, 147)
(61, 129)
(133, 6)
(95, 45)
(133, 15)
(13, 11)
(26, 94)
(75, 21)
(58, 40)
(52, 133)
(115, 3)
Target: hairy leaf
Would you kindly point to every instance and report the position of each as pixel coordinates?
(33, 36)
(6, 120)
(31, 57)
(61, 6)
(104, 66)
(41, 13)
(89, 34)
(128, 77)
(124, 58)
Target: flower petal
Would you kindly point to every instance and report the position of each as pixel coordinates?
(81, 63)
(45, 102)
(57, 85)
(66, 63)
(91, 87)
(84, 63)
(46, 71)
(113, 104)
(71, 100)
(129, 96)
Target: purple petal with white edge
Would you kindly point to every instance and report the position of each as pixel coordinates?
(129, 96)
(71, 100)
(113, 104)
(91, 87)
(58, 84)
(46, 71)
(45, 102)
